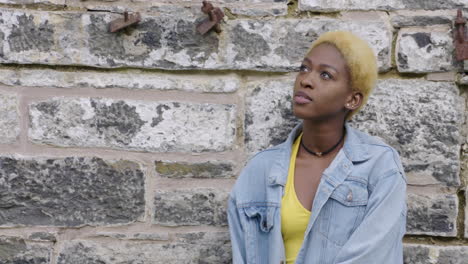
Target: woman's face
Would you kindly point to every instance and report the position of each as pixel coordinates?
(322, 88)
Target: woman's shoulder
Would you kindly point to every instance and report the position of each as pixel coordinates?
(381, 157)
(258, 172)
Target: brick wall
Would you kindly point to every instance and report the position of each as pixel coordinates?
(122, 147)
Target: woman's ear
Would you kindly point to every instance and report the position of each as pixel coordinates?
(354, 101)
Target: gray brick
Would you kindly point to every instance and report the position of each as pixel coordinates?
(133, 125)
(169, 42)
(268, 113)
(199, 206)
(15, 250)
(410, 18)
(463, 79)
(129, 79)
(423, 254)
(420, 52)
(208, 169)
(72, 191)
(9, 118)
(209, 248)
(432, 214)
(422, 120)
(275, 45)
(337, 5)
(43, 236)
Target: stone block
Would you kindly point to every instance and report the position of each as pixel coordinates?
(432, 214)
(128, 79)
(422, 120)
(9, 119)
(410, 18)
(420, 52)
(72, 191)
(171, 42)
(388, 5)
(260, 10)
(186, 207)
(75, 38)
(466, 212)
(463, 79)
(208, 169)
(425, 254)
(43, 236)
(133, 125)
(16, 250)
(28, 2)
(280, 45)
(160, 236)
(268, 113)
(209, 248)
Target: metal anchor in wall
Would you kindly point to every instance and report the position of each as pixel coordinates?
(215, 17)
(461, 40)
(126, 21)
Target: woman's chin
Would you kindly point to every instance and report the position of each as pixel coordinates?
(302, 114)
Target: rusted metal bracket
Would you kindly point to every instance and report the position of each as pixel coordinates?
(126, 21)
(461, 39)
(215, 17)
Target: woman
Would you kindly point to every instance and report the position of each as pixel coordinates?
(329, 193)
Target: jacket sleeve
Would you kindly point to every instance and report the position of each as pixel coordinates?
(237, 233)
(378, 239)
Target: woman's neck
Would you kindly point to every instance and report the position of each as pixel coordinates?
(321, 136)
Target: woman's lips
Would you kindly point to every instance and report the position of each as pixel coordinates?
(302, 98)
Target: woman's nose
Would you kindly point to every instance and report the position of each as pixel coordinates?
(307, 81)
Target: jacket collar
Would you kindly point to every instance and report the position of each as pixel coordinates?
(354, 148)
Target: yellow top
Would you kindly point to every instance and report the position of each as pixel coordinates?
(294, 217)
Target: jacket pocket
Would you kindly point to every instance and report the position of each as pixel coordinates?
(344, 211)
(259, 221)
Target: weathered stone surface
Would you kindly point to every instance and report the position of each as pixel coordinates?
(466, 212)
(135, 125)
(25, 2)
(43, 236)
(136, 236)
(268, 113)
(9, 118)
(425, 254)
(187, 8)
(463, 79)
(130, 79)
(194, 248)
(282, 44)
(166, 42)
(337, 5)
(422, 120)
(406, 18)
(208, 169)
(420, 52)
(259, 11)
(171, 42)
(14, 250)
(199, 206)
(71, 191)
(432, 214)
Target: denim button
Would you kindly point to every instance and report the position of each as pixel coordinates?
(350, 196)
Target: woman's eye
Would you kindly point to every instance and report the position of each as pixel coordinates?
(326, 75)
(303, 68)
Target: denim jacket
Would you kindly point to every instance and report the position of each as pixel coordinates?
(358, 214)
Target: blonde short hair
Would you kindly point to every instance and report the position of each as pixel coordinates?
(360, 59)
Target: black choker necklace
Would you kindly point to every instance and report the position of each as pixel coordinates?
(320, 154)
